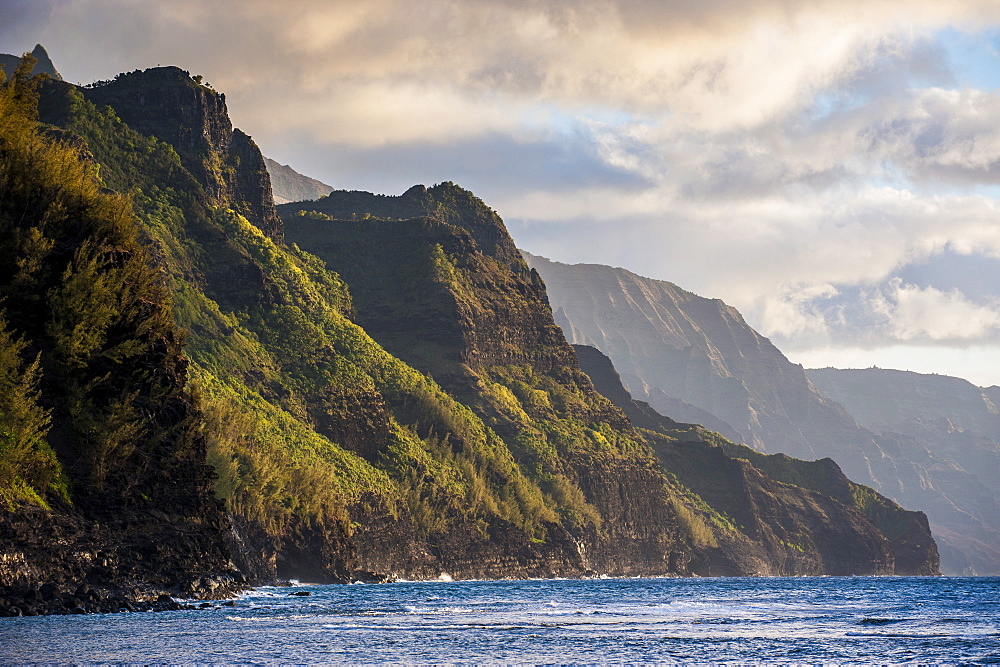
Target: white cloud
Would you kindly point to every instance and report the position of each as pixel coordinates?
(916, 313)
(789, 157)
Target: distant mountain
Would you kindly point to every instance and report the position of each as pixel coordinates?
(436, 280)
(946, 424)
(289, 185)
(766, 495)
(9, 63)
(687, 355)
(883, 399)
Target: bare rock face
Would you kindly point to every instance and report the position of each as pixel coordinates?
(676, 349)
(951, 428)
(165, 102)
(289, 185)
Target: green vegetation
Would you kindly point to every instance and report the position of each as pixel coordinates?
(410, 371)
(28, 466)
(305, 415)
(436, 280)
(89, 345)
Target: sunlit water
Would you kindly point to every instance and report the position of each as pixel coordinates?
(799, 620)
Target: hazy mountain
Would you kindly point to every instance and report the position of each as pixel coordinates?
(883, 399)
(946, 424)
(288, 185)
(765, 494)
(9, 63)
(675, 349)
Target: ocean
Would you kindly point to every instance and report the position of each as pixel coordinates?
(826, 620)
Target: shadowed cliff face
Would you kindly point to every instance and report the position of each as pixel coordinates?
(111, 489)
(166, 103)
(438, 282)
(793, 516)
(952, 430)
(676, 349)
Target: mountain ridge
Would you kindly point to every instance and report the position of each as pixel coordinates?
(677, 349)
(288, 185)
(277, 420)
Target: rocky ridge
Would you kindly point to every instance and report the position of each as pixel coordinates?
(288, 185)
(791, 517)
(676, 349)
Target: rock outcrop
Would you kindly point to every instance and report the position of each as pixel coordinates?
(43, 64)
(167, 103)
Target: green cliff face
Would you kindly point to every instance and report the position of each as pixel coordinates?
(804, 516)
(387, 395)
(438, 282)
(102, 453)
(335, 458)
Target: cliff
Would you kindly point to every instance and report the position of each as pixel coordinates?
(103, 480)
(952, 429)
(337, 460)
(167, 103)
(792, 516)
(288, 185)
(678, 349)
(438, 282)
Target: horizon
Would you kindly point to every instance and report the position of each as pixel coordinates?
(832, 170)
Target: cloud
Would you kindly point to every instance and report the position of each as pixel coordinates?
(916, 314)
(793, 158)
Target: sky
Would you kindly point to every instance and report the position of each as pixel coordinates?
(829, 167)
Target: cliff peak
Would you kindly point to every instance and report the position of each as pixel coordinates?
(43, 64)
(171, 105)
(444, 202)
